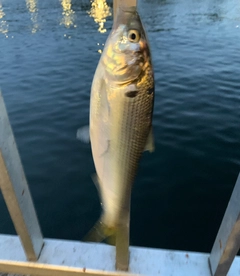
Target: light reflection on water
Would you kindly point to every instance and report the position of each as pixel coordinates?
(33, 10)
(68, 14)
(100, 11)
(3, 23)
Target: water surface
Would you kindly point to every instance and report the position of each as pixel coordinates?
(48, 54)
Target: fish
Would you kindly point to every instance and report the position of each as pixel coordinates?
(121, 111)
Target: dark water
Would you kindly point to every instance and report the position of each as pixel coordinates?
(47, 60)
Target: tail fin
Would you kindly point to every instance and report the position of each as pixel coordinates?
(101, 232)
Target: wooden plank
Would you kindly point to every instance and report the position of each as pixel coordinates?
(227, 242)
(96, 257)
(122, 237)
(15, 190)
(115, 8)
(53, 270)
(123, 3)
(122, 248)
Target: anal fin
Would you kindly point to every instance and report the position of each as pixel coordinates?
(101, 232)
(83, 134)
(150, 142)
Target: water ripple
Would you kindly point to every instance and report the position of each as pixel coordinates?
(183, 187)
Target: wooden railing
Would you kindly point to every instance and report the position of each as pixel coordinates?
(18, 199)
(42, 256)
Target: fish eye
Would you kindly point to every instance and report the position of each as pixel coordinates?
(134, 36)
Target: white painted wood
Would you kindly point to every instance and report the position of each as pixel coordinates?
(10, 274)
(122, 237)
(15, 190)
(123, 3)
(74, 256)
(227, 242)
(122, 247)
(115, 8)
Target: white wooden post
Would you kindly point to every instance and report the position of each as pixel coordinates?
(15, 190)
(125, 3)
(115, 7)
(122, 244)
(122, 237)
(227, 242)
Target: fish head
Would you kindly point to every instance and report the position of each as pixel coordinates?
(127, 52)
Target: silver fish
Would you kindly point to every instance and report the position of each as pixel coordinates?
(121, 108)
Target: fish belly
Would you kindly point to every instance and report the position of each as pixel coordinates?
(119, 127)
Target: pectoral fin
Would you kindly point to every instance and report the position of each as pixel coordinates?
(83, 134)
(150, 142)
(96, 181)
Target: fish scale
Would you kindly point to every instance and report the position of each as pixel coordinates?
(121, 108)
(128, 139)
